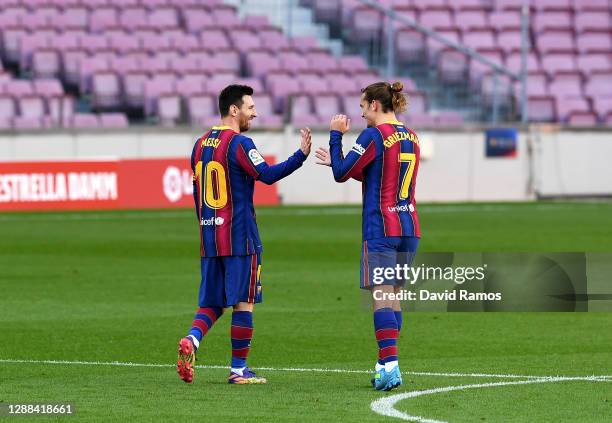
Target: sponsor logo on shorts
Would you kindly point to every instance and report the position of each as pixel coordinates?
(218, 221)
(402, 208)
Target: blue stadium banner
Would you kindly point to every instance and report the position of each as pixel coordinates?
(501, 142)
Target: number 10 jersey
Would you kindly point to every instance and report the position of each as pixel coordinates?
(225, 165)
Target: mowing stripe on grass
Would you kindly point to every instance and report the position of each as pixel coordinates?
(293, 369)
(386, 406)
(332, 210)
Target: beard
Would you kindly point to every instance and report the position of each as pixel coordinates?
(244, 124)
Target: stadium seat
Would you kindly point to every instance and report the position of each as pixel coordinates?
(32, 113)
(106, 91)
(191, 84)
(169, 109)
(266, 117)
(7, 111)
(201, 110)
(46, 63)
(542, 108)
(113, 120)
(592, 21)
(84, 121)
(571, 105)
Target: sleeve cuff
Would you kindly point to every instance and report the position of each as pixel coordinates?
(335, 135)
(300, 154)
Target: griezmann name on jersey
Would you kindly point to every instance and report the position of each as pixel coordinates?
(225, 165)
(386, 159)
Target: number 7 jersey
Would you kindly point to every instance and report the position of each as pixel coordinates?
(386, 159)
(225, 165)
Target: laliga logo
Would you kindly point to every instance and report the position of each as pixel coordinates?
(176, 183)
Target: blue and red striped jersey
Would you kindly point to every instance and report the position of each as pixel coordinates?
(386, 159)
(225, 165)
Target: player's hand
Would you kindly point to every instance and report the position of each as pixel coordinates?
(323, 156)
(306, 141)
(340, 123)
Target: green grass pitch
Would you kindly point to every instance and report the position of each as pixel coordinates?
(122, 286)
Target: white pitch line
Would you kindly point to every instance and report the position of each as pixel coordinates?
(291, 369)
(386, 406)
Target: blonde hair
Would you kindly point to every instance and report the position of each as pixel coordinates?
(389, 95)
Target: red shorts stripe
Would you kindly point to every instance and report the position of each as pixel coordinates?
(386, 334)
(239, 332)
(386, 352)
(253, 279)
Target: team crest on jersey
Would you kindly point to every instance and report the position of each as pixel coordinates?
(358, 149)
(255, 157)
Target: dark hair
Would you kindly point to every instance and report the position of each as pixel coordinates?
(232, 94)
(389, 95)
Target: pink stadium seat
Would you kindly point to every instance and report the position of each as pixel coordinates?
(566, 84)
(89, 66)
(452, 65)
(483, 39)
(313, 84)
(592, 5)
(417, 102)
(19, 88)
(595, 42)
(186, 64)
(46, 63)
(325, 62)
(514, 62)
(509, 4)
(48, 88)
(555, 62)
(133, 87)
(599, 84)
(437, 19)
(157, 86)
(184, 42)
(478, 69)
(470, 20)
(191, 84)
(169, 109)
(32, 113)
(7, 111)
(301, 111)
(74, 17)
(103, 18)
(113, 120)
(106, 91)
(225, 61)
(326, 106)
(71, 60)
(259, 63)
(431, 4)
(602, 105)
(196, 19)
(542, 108)
(434, 47)
(590, 63)
(582, 119)
(342, 85)
(84, 121)
(410, 45)
(273, 38)
(280, 86)
(202, 110)
(133, 18)
(367, 23)
(294, 63)
(558, 20)
(354, 64)
(592, 21)
(553, 5)
(571, 105)
(266, 117)
(556, 41)
(505, 20)
(214, 40)
(163, 18)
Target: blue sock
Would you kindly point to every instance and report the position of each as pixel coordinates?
(385, 327)
(204, 319)
(241, 333)
(399, 319)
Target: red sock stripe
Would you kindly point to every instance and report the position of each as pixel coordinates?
(209, 312)
(383, 353)
(386, 334)
(238, 332)
(241, 353)
(201, 324)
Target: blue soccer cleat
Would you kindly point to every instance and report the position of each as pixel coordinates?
(247, 377)
(385, 381)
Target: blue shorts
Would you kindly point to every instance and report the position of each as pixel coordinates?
(382, 253)
(229, 280)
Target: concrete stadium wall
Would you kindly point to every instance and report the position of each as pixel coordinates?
(453, 168)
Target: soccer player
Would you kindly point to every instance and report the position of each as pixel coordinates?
(225, 166)
(385, 158)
